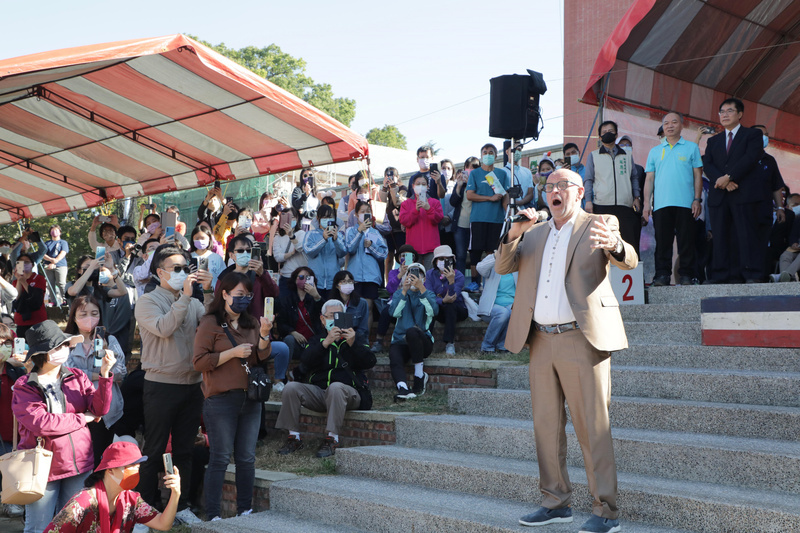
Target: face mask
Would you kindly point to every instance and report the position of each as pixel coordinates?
(5, 249)
(323, 223)
(363, 197)
(240, 304)
(60, 357)
(488, 160)
(243, 259)
(424, 163)
(5, 351)
(796, 210)
(446, 173)
(626, 148)
(103, 278)
(87, 323)
(766, 140)
(545, 174)
(328, 324)
(128, 481)
(152, 227)
(176, 280)
(200, 245)
(608, 137)
(419, 190)
(27, 268)
(346, 288)
(517, 156)
(440, 265)
(245, 222)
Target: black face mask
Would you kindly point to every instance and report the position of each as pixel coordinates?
(608, 137)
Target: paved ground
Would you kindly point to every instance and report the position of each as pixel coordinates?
(10, 525)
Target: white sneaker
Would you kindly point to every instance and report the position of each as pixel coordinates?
(450, 349)
(140, 528)
(215, 519)
(278, 386)
(246, 513)
(14, 511)
(187, 517)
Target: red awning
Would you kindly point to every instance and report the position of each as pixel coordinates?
(689, 55)
(85, 125)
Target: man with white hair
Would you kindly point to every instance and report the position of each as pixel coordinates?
(334, 364)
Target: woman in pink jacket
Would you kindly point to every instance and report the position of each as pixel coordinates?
(420, 216)
(53, 404)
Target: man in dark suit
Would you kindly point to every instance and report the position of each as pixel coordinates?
(566, 311)
(735, 198)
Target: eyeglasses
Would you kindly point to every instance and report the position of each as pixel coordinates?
(7, 342)
(301, 276)
(562, 185)
(249, 295)
(242, 250)
(178, 268)
(728, 111)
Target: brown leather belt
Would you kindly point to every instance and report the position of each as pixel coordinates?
(556, 328)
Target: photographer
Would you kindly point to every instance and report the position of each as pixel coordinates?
(420, 215)
(28, 307)
(56, 264)
(414, 307)
(287, 248)
(335, 364)
(447, 283)
(304, 196)
(461, 213)
(296, 311)
(367, 250)
(108, 233)
(325, 249)
(394, 194)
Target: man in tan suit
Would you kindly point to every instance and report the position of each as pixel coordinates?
(566, 311)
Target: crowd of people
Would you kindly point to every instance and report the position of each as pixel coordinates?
(300, 279)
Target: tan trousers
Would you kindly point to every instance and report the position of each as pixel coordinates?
(566, 367)
(334, 400)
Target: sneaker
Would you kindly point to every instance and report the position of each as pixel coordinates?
(543, 516)
(450, 349)
(473, 287)
(598, 524)
(661, 281)
(328, 447)
(784, 277)
(278, 386)
(404, 394)
(377, 347)
(420, 384)
(291, 446)
(246, 513)
(140, 528)
(14, 511)
(187, 517)
(685, 281)
(215, 519)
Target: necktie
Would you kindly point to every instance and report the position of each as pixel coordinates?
(730, 140)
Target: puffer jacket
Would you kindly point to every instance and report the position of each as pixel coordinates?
(66, 435)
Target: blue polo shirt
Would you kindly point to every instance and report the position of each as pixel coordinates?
(673, 166)
(486, 211)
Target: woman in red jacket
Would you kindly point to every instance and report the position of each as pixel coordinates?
(420, 216)
(29, 306)
(53, 404)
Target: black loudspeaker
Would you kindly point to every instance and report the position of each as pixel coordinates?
(514, 106)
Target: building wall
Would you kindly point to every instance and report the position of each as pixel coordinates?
(587, 25)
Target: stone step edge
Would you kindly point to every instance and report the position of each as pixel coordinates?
(478, 364)
(722, 372)
(263, 479)
(370, 416)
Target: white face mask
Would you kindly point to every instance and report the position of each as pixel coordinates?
(796, 210)
(440, 264)
(60, 357)
(346, 288)
(424, 163)
(446, 173)
(363, 197)
(5, 351)
(176, 280)
(419, 190)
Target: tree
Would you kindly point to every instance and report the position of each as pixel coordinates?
(289, 73)
(387, 136)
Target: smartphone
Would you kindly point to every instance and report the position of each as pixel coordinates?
(366, 217)
(269, 308)
(151, 207)
(169, 219)
(104, 219)
(342, 320)
(169, 231)
(229, 199)
(434, 167)
(408, 258)
(98, 343)
(202, 263)
(276, 277)
(168, 464)
(285, 218)
(331, 223)
(19, 345)
(216, 184)
(415, 271)
(194, 264)
(448, 263)
(20, 268)
(100, 253)
(256, 251)
(310, 279)
(390, 174)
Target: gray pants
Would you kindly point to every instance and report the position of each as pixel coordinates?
(334, 400)
(790, 262)
(57, 279)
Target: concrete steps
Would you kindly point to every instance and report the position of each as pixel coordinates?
(672, 333)
(672, 504)
(734, 420)
(762, 464)
(695, 293)
(386, 506)
(688, 312)
(271, 522)
(716, 357)
(693, 384)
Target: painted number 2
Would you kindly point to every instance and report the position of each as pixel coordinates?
(627, 297)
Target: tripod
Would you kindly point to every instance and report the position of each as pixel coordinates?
(511, 208)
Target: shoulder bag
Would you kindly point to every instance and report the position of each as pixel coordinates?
(259, 386)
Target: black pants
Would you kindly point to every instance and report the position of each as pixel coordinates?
(671, 222)
(384, 321)
(630, 222)
(417, 347)
(169, 410)
(449, 314)
(737, 252)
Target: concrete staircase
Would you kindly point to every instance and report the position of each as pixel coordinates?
(706, 439)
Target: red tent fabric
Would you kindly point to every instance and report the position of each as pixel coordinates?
(689, 55)
(84, 125)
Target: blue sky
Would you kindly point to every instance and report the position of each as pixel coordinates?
(404, 63)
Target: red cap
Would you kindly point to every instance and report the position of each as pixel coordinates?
(120, 454)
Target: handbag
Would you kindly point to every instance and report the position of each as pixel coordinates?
(259, 386)
(25, 472)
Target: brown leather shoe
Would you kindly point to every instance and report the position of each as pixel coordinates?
(328, 447)
(292, 445)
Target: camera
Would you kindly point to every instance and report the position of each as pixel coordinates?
(34, 236)
(515, 192)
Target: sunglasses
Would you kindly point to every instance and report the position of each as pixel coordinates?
(179, 268)
(242, 250)
(301, 276)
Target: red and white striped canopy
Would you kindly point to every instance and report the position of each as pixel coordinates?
(82, 126)
(689, 55)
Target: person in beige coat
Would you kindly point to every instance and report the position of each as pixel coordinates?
(566, 312)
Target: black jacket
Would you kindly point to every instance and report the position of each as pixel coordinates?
(288, 313)
(339, 362)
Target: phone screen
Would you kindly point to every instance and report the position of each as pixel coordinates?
(169, 231)
(100, 253)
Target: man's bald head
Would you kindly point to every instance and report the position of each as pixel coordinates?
(566, 174)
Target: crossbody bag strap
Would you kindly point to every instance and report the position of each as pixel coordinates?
(234, 344)
(14, 439)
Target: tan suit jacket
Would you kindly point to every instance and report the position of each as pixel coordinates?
(588, 288)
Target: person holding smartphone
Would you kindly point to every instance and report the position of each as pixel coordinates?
(85, 318)
(56, 403)
(414, 307)
(29, 308)
(287, 248)
(394, 194)
(420, 215)
(447, 283)
(296, 311)
(200, 248)
(346, 291)
(367, 249)
(325, 249)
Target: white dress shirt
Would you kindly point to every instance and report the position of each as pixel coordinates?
(552, 305)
